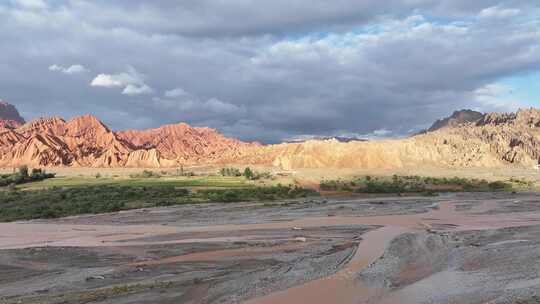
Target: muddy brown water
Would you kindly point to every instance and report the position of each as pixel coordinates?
(341, 287)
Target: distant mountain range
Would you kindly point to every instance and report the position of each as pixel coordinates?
(343, 139)
(464, 139)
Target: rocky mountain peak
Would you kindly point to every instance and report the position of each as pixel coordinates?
(9, 116)
(456, 119)
(85, 123)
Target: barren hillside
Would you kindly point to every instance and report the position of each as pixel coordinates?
(493, 140)
(465, 139)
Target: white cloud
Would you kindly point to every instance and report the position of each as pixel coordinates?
(493, 89)
(218, 106)
(32, 4)
(132, 90)
(73, 69)
(498, 12)
(382, 132)
(176, 93)
(108, 81)
(497, 96)
(55, 68)
(350, 48)
(204, 109)
(132, 82)
(377, 134)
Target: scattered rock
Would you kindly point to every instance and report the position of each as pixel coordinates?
(92, 278)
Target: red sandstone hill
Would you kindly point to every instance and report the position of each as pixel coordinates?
(86, 142)
(465, 139)
(185, 144)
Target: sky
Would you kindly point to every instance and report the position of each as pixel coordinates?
(270, 70)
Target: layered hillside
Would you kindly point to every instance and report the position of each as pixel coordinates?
(183, 144)
(82, 141)
(465, 139)
(86, 142)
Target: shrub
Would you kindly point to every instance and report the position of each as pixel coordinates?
(22, 176)
(329, 185)
(412, 184)
(145, 174)
(230, 172)
(262, 175)
(149, 174)
(23, 171)
(498, 185)
(248, 174)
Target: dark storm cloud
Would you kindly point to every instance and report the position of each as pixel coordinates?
(253, 17)
(266, 70)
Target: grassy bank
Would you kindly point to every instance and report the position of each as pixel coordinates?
(80, 181)
(413, 184)
(55, 202)
(66, 196)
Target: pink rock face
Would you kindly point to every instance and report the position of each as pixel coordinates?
(85, 141)
(8, 123)
(182, 142)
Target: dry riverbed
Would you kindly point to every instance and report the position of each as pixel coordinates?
(455, 248)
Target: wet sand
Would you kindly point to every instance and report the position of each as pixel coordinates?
(322, 251)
